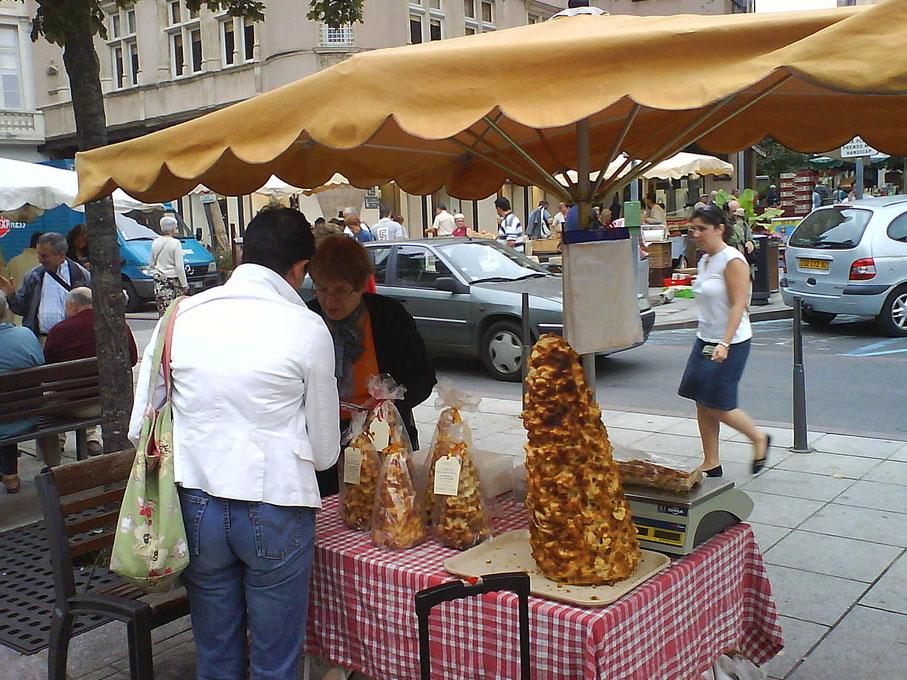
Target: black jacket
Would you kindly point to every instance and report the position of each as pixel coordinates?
(400, 351)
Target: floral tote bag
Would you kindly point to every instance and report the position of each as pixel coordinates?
(150, 549)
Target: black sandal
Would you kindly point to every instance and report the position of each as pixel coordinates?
(759, 463)
(714, 472)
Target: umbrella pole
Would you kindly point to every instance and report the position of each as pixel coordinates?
(584, 215)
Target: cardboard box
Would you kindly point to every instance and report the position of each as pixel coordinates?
(545, 245)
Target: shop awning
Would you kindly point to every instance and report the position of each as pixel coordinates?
(467, 112)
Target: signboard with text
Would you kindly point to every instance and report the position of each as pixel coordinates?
(857, 148)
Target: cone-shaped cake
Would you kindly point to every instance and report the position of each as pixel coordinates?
(580, 528)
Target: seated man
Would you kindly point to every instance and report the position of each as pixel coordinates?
(71, 339)
(19, 348)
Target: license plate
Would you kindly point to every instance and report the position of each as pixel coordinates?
(199, 284)
(814, 264)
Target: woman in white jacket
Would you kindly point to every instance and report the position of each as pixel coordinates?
(168, 266)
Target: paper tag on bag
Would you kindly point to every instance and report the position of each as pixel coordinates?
(352, 466)
(380, 434)
(447, 476)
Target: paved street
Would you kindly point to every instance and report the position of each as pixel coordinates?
(851, 377)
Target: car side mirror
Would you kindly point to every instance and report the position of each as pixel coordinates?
(198, 234)
(449, 285)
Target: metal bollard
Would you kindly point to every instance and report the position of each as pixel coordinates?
(526, 345)
(801, 443)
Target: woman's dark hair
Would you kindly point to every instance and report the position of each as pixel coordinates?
(78, 231)
(713, 215)
(278, 238)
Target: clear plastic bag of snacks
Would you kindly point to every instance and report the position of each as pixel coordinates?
(658, 472)
(398, 517)
(360, 461)
(454, 501)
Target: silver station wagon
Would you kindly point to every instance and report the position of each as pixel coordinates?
(851, 258)
(465, 296)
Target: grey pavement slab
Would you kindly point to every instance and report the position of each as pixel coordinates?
(889, 472)
(832, 555)
(798, 485)
(767, 535)
(853, 650)
(799, 638)
(670, 445)
(877, 526)
(857, 446)
(812, 597)
(644, 421)
(782, 511)
(892, 664)
(830, 464)
(619, 435)
(900, 454)
(876, 495)
(890, 591)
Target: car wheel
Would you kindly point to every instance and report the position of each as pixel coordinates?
(502, 351)
(814, 318)
(892, 320)
(133, 301)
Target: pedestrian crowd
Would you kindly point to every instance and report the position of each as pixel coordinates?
(56, 324)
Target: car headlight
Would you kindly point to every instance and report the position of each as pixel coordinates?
(212, 267)
(147, 271)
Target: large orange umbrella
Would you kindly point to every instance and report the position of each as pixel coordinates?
(465, 112)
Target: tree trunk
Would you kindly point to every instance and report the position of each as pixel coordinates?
(114, 363)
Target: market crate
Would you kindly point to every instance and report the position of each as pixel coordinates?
(546, 245)
(660, 254)
(658, 275)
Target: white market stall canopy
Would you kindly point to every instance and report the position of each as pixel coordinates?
(277, 188)
(678, 166)
(45, 187)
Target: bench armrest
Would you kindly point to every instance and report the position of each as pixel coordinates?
(119, 608)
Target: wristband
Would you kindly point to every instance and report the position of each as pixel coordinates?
(726, 345)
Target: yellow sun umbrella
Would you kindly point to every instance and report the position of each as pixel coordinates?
(470, 116)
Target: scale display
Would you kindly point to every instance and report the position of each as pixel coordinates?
(675, 523)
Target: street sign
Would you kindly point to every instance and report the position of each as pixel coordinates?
(208, 198)
(857, 148)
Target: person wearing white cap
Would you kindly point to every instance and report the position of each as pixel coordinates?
(742, 238)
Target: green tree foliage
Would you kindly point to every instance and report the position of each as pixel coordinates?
(779, 159)
(335, 13)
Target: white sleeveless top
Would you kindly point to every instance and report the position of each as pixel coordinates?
(712, 303)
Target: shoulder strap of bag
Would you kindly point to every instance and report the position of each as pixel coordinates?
(161, 357)
(56, 278)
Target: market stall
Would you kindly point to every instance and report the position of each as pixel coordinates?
(673, 626)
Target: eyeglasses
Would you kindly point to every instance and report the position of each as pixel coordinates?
(338, 294)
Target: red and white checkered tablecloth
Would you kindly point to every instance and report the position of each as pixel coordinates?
(362, 614)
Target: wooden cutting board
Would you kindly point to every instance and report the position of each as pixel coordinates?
(511, 552)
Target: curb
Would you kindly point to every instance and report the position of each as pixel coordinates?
(767, 315)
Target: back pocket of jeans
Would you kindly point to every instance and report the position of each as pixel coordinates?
(193, 508)
(277, 529)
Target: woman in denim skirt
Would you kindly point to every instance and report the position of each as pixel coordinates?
(713, 371)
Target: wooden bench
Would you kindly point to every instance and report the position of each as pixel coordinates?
(46, 392)
(81, 503)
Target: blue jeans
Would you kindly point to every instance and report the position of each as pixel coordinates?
(250, 563)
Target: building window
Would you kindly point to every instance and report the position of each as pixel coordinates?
(249, 39)
(336, 37)
(185, 35)
(123, 45)
(415, 28)
(237, 39)
(10, 69)
(535, 19)
(479, 16)
(425, 25)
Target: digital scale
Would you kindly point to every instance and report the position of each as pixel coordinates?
(675, 522)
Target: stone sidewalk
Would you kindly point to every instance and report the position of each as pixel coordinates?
(832, 526)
